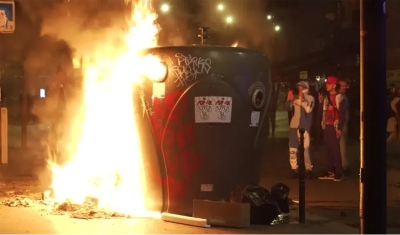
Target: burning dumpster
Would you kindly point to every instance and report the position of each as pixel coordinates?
(203, 126)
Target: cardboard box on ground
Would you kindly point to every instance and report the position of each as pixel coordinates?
(222, 213)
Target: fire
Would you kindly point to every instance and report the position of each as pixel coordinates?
(235, 44)
(107, 160)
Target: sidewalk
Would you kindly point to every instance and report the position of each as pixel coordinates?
(58, 224)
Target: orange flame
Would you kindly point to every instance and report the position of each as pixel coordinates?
(106, 162)
(235, 44)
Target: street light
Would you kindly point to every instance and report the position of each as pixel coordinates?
(164, 7)
(229, 19)
(269, 17)
(277, 28)
(220, 7)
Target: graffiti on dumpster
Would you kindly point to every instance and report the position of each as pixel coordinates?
(145, 104)
(189, 67)
(213, 109)
(176, 139)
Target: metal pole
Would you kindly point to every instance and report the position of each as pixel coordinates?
(362, 33)
(372, 117)
(201, 36)
(302, 181)
(1, 105)
(24, 113)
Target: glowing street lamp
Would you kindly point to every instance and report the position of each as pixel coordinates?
(164, 7)
(277, 28)
(220, 7)
(269, 17)
(229, 19)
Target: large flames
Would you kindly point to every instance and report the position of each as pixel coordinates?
(107, 160)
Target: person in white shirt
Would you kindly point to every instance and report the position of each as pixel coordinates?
(302, 118)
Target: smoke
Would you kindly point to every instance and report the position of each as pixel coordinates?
(68, 29)
(249, 26)
(254, 30)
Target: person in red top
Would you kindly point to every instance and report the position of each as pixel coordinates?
(333, 111)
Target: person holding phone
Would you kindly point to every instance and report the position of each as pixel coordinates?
(302, 118)
(333, 111)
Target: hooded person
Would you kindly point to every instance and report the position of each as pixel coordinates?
(303, 106)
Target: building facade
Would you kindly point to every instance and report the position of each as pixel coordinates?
(393, 42)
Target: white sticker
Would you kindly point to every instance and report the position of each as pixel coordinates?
(255, 118)
(213, 109)
(158, 90)
(206, 187)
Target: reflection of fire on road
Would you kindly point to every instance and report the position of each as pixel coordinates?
(106, 159)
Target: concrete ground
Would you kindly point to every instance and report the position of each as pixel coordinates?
(332, 207)
(35, 220)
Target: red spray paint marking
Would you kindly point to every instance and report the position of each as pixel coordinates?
(181, 158)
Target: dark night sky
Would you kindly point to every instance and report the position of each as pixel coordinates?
(301, 22)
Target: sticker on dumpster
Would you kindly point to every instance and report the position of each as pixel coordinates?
(206, 187)
(213, 109)
(255, 118)
(203, 109)
(158, 90)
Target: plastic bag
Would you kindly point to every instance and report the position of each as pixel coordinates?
(280, 192)
(263, 207)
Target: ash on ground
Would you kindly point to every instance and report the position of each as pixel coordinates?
(88, 210)
(22, 202)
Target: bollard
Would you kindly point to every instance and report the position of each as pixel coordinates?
(302, 182)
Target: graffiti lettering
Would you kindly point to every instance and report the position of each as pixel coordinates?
(189, 67)
(217, 75)
(145, 104)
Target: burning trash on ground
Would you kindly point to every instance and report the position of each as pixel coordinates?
(87, 210)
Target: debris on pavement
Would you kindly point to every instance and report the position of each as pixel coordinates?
(282, 218)
(221, 213)
(21, 202)
(186, 220)
(264, 209)
(280, 192)
(88, 210)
